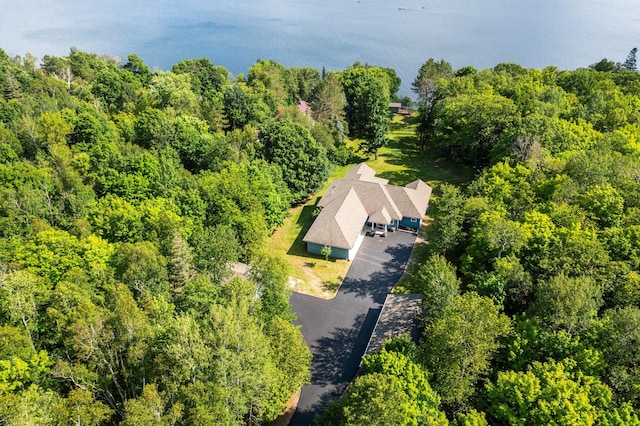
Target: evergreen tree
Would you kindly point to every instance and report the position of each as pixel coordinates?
(180, 263)
(631, 63)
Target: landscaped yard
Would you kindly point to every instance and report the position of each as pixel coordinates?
(401, 161)
(310, 274)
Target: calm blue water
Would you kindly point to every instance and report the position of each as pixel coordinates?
(400, 34)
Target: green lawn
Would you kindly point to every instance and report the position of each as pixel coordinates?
(401, 161)
(310, 274)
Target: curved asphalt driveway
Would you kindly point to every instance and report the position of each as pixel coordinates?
(337, 331)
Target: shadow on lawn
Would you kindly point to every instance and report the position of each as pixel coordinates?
(304, 222)
(333, 286)
(429, 166)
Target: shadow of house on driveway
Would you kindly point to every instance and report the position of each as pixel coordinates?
(337, 331)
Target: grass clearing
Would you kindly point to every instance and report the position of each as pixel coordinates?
(401, 161)
(310, 274)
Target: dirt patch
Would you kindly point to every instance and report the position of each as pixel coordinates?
(284, 418)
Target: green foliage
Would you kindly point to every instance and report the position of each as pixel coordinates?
(305, 80)
(232, 199)
(459, 345)
(436, 279)
(173, 91)
(127, 194)
(472, 418)
(619, 337)
(292, 358)
(216, 249)
(272, 81)
(303, 161)
(81, 407)
(548, 393)
(367, 94)
(447, 229)
(547, 231)
(604, 204)
(328, 100)
(136, 65)
(326, 252)
(17, 374)
(205, 77)
(237, 106)
(116, 219)
(412, 379)
(493, 237)
(376, 399)
(568, 303)
(476, 127)
(141, 267)
(428, 76)
(271, 277)
(151, 408)
(533, 342)
(123, 207)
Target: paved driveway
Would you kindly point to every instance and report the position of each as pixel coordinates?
(337, 331)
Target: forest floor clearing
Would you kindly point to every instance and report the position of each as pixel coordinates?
(401, 161)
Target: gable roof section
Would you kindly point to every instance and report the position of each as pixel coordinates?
(338, 224)
(373, 196)
(364, 173)
(380, 216)
(419, 196)
(359, 169)
(413, 199)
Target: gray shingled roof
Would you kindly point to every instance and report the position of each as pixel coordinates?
(339, 224)
(374, 196)
(360, 194)
(380, 216)
(364, 173)
(359, 169)
(413, 199)
(419, 196)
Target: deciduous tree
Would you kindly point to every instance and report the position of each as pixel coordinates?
(568, 303)
(367, 95)
(459, 346)
(303, 161)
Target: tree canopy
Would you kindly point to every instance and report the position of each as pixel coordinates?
(127, 194)
(126, 197)
(541, 245)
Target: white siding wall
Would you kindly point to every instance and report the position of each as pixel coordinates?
(356, 247)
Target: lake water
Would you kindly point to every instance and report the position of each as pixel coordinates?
(334, 34)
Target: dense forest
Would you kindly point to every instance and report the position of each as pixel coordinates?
(531, 272)
(128, 194)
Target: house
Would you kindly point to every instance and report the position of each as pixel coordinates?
(395, 107)
(362, 201)
(304, 107)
